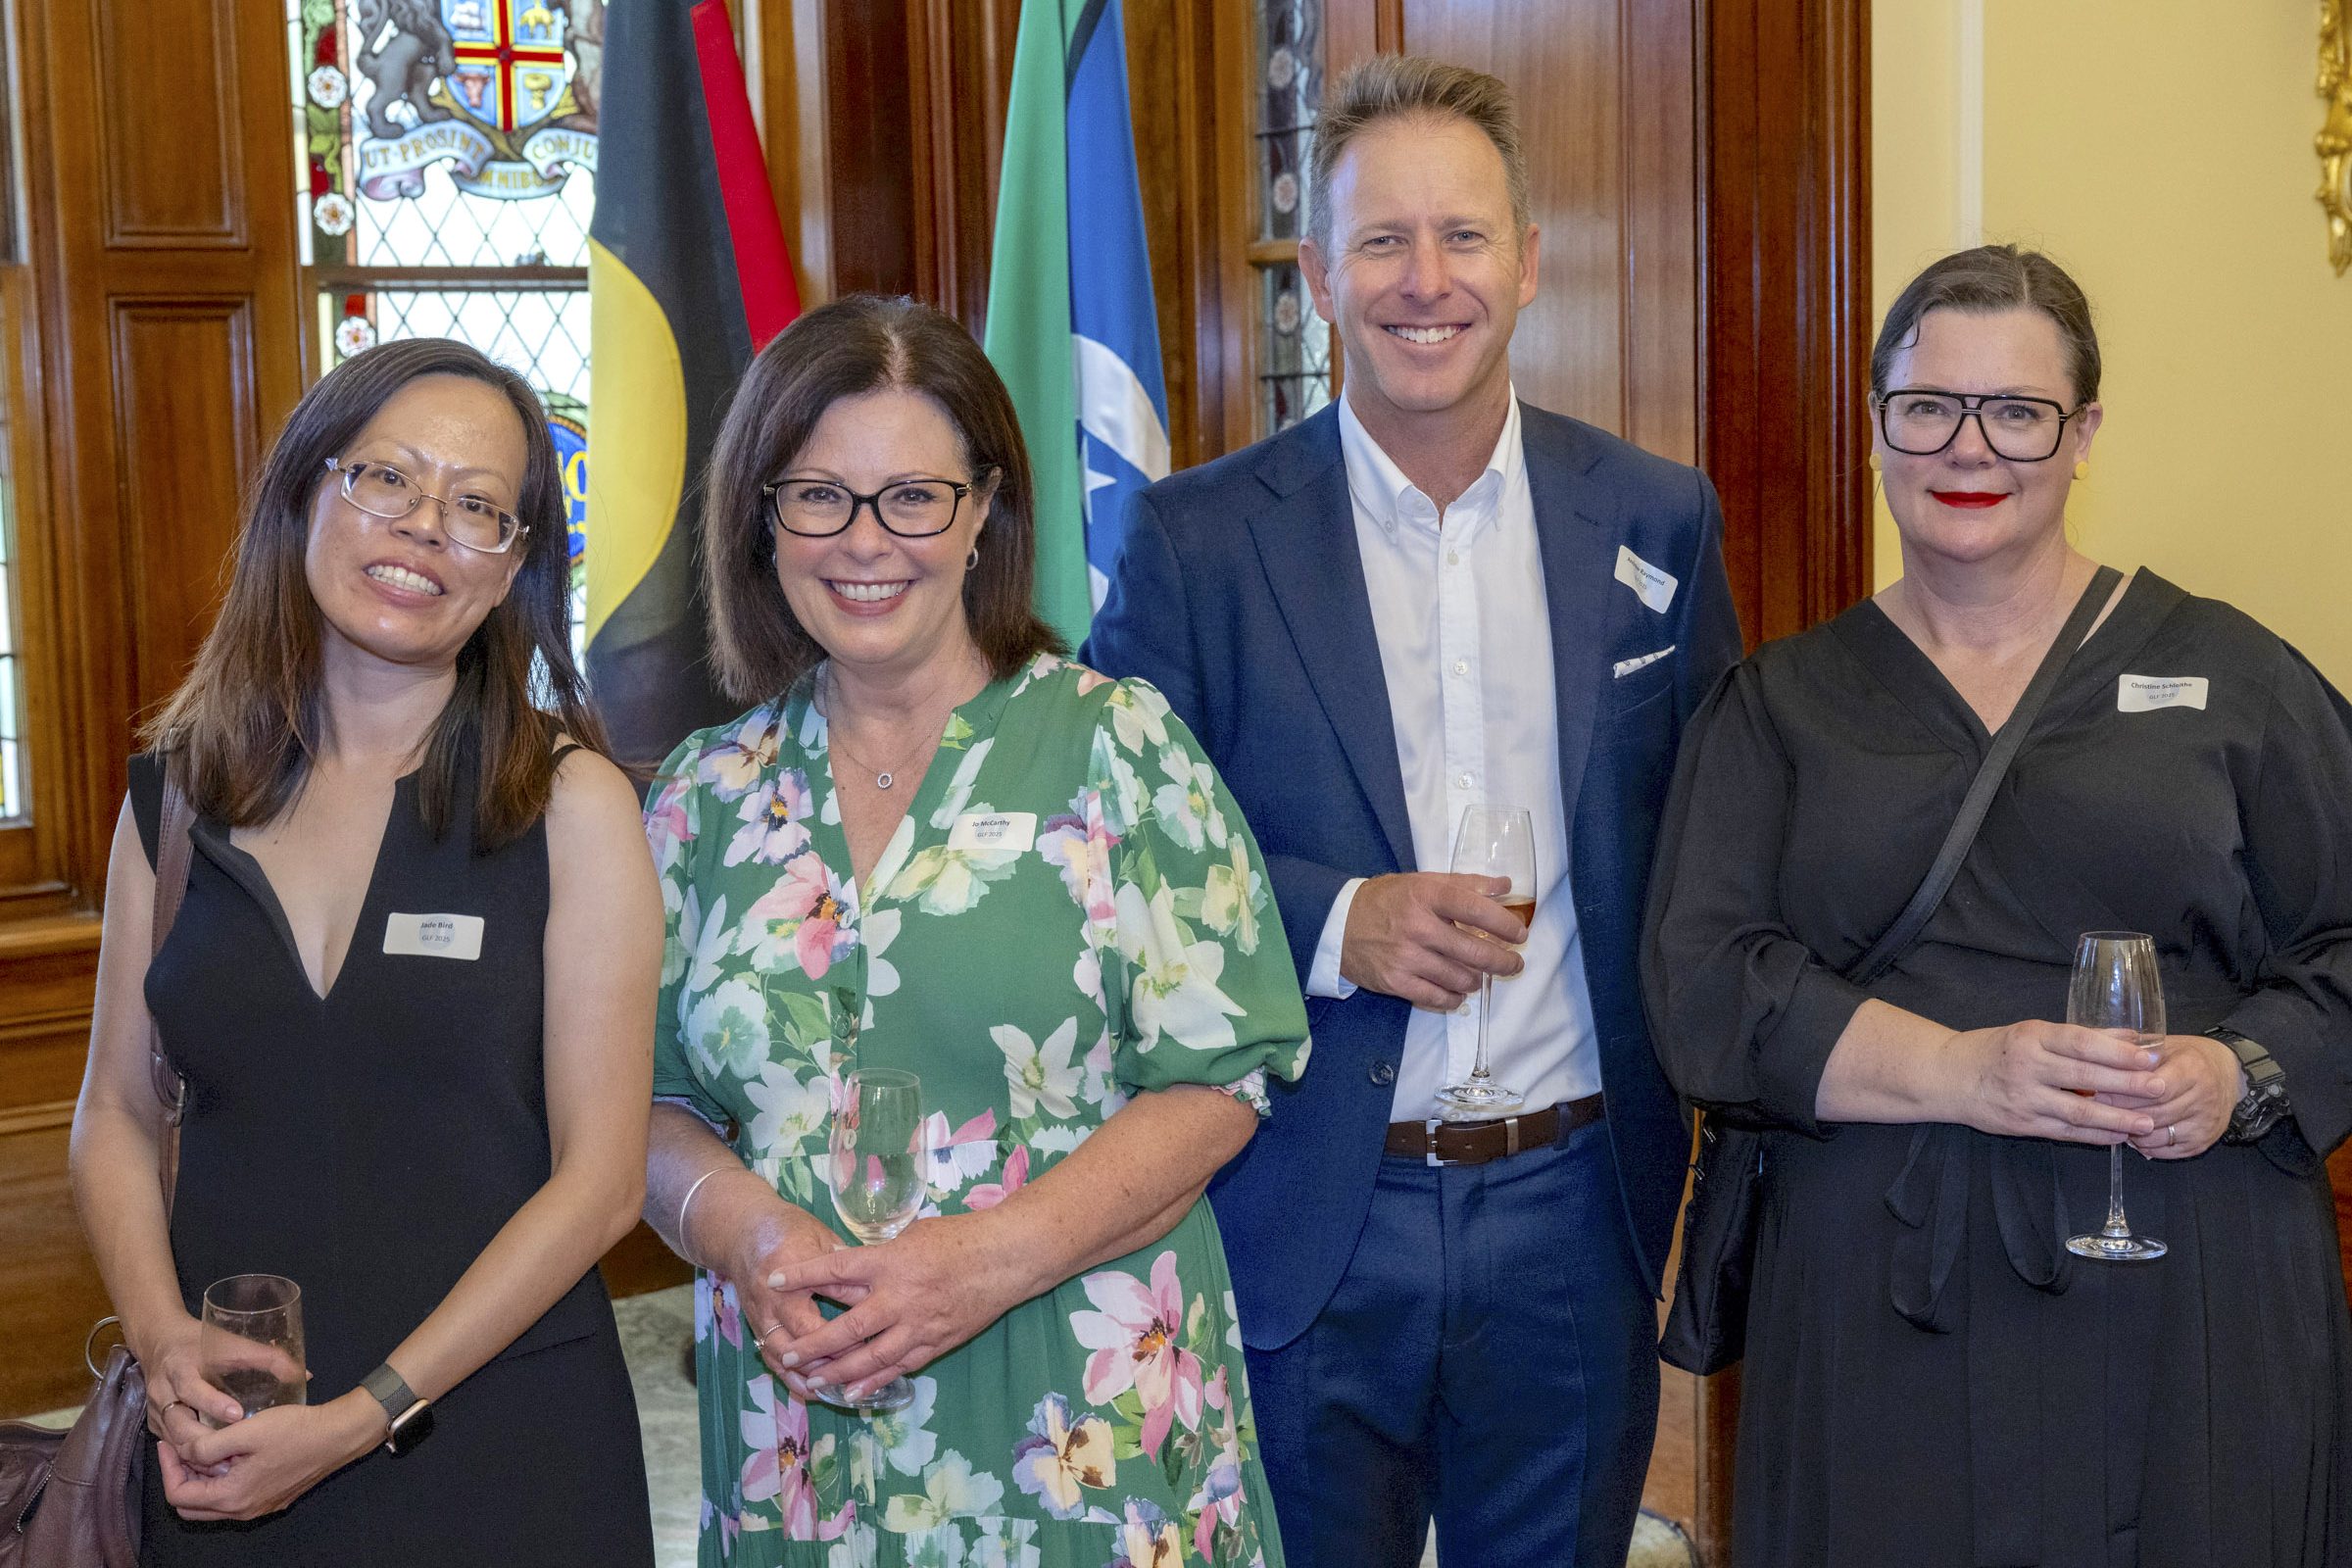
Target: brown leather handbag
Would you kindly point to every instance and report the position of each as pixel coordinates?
(71, 1500)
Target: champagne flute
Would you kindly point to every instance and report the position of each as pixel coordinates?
(250, 1343)
(1493, 841)
(878, 1161)
(2116, 987)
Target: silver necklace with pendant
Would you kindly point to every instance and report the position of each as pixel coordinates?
(883, 778)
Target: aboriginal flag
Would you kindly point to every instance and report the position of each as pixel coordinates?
(688, 278)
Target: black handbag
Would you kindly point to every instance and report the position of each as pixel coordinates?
(1706, 1327)
(70, 1499)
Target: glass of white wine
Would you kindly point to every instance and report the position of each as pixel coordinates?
(249, 1343)
(878, 1162)
(2116, 987)
(1498, 841)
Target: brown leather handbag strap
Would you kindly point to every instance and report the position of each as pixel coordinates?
(172, 850)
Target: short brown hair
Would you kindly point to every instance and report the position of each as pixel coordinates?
(1993, 277)
(1402, 87)
(863, 343)
(242, 730)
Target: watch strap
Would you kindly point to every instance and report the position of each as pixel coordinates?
(391, 1391)
(2264, 1104)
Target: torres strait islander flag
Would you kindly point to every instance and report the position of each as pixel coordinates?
(688, 278)
(1070, 320)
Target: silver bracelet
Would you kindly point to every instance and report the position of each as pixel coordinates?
(688, 1199)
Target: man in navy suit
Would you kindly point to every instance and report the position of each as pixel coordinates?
(1429, 597)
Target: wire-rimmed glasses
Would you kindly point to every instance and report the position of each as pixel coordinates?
(1920, 421)
(381, 490)
(817, 508)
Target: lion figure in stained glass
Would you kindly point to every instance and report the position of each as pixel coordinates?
(404, 64)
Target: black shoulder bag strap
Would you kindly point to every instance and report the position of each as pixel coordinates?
(1899, 936)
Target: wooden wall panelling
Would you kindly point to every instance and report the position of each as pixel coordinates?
(188, 453)
(159, 303)
(1787, 327)
(869, 140)
(1171, 89)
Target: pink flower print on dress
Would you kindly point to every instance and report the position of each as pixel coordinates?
(1017, 1176)
(809, 894)
(778, 1466)
(665, 825)
(1134, 1338)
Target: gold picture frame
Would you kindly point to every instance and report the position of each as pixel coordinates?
(2334, 141)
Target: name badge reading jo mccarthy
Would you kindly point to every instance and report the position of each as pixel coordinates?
(998, 832)
(2144, 694)
(1651, 586)
(433, 936)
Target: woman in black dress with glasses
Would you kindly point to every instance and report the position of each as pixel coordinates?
(410, 990)
(1932, 1377)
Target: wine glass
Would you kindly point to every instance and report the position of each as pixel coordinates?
(1493, 841)
(878, 1162)
(249, 1343)
(2116, 987)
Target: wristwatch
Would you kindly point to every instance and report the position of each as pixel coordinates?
(2264, 1104)
(411, 1418)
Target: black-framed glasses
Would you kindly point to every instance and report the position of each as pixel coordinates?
(1921, 421)
(382, 491)
(912, 508)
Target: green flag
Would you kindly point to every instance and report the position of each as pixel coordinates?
(1029, 304)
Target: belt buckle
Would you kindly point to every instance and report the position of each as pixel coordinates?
(1429, 1148)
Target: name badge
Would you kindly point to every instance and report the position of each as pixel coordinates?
(997, 832)
(2144, 694)
(433, 936)
(1651, 586)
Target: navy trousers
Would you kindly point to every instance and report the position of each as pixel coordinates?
(1489, 1358)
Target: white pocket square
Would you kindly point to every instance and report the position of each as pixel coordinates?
(1626, 666)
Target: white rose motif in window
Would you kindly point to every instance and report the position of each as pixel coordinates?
(355, 336)
(1287, 313)
(332, 213)
(1282, 67)
(1286, 192)
(328, 88)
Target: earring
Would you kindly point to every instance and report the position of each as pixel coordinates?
(2083, 469)
(1874, 463)
(973, 559)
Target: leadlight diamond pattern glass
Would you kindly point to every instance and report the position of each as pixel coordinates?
(444, 175)
(1294, 343)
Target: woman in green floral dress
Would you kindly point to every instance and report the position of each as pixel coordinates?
(944, 849)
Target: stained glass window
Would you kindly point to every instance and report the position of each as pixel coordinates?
(1294, 344)
(445, 170)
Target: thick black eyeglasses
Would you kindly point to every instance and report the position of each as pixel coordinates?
(1921, 421)
(912, 508)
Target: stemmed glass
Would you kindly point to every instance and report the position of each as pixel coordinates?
(1493, 841)
(878, 1164)
(250, 1345)
(2116, 987)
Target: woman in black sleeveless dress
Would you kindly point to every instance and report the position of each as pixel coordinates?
(409, 992)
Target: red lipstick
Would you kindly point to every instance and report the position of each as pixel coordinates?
(1978, 498)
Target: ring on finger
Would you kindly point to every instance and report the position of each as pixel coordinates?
(2171, 1136)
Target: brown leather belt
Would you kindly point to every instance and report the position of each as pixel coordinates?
(1473, 1143)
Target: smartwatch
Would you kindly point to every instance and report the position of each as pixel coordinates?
(411, 1418)
(2264, 1104)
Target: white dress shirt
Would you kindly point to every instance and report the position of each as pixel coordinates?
(1465, 645)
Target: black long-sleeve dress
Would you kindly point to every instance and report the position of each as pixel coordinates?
(1932, 1379)
(367, 1145)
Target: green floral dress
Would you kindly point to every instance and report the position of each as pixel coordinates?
(1072, 912)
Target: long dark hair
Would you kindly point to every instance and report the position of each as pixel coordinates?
(860, 344)
(241, 731)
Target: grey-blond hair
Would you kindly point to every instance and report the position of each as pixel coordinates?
(1405, 86)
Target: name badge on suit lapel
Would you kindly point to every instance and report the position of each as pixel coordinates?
(1651, 586)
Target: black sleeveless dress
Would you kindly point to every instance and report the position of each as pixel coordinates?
(367, 1145)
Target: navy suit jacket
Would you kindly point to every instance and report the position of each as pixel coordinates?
(1240, 593)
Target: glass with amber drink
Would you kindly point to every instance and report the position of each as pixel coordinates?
(1498, 841)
